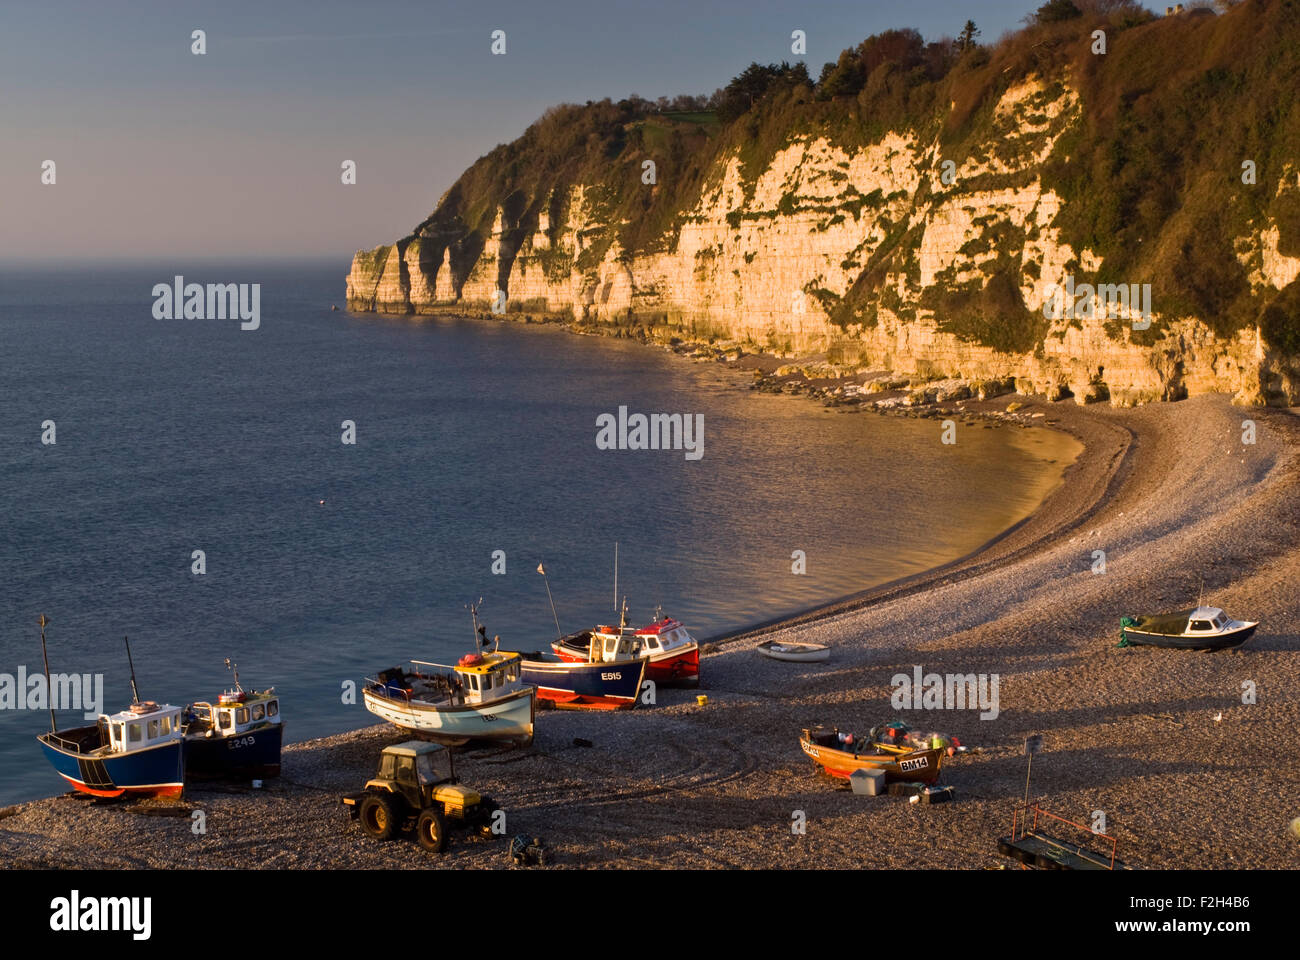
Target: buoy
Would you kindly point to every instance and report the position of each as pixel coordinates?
(702, 700)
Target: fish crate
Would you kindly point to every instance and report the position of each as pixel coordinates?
(1034, 848)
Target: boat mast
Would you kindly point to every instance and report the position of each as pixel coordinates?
(615, 574)
(541, 568)
(46, 657)
(135, 696)
(235, 668)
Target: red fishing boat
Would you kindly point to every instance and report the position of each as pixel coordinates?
(674, 656)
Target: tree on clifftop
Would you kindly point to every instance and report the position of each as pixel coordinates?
(754, 82)
(966, 40)
(1057, 11)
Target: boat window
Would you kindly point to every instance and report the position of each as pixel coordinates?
(153, 729)
(117, 735)
(651, 643)
(258, 712)
(226, 718)
(473, 681)
(1201, 625)
(134, 732)
(165, 725)
(1221, 620)
(241, 715)
(272, 707)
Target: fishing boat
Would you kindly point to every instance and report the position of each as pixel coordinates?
(238, 736)
(1203, 628)
(841, 754)
(480, 697)
(795, 652)
(138, 751)
(594, 685)
(674, 656)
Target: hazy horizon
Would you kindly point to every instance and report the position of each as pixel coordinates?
(236, 154)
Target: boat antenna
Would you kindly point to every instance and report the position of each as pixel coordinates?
(622, 623)
(46, 657)
(480, 631)
(541, 568)
(135, 697)
(235, 668)
(615, 574)
(1201, 596)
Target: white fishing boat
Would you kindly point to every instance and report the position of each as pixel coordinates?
(795, 652)
(481, 697)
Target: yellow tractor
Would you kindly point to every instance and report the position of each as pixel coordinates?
(416, 788)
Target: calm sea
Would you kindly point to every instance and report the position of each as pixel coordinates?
(326, 562)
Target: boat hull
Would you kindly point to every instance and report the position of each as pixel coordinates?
(921, 766)
(1221, 641)
(156, 771)
(254, 753)
(595, 686)
(795, 652)
(510, 718)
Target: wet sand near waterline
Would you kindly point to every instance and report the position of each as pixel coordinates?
(1168, 492)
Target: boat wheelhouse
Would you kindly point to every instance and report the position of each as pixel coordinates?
(1202, 628)
(481, 697)
(137, 751)
(240, 735)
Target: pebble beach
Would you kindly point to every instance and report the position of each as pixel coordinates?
(1165, 744)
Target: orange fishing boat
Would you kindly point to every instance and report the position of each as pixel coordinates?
(840, 754)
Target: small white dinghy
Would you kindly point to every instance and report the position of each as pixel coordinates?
(795, 652)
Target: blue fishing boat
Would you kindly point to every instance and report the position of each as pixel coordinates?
(238, 736)
(594, 686)
(138, 751)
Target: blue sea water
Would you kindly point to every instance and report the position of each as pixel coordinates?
(326, 562)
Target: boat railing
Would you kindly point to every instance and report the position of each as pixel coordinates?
(388, 689)
(1020, 825)
(72, 746)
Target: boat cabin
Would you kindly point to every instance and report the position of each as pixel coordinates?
(235, 713)
(609, 644)
(142, 725)
(665, 634)
(1207, 620)
(485, 677)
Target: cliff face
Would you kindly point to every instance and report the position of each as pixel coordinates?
(875, 254)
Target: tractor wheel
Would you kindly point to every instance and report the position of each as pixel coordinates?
(431, 830)
(378, 818)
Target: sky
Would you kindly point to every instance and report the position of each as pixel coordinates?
(237, 153)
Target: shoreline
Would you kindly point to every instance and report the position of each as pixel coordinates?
(1161, 742)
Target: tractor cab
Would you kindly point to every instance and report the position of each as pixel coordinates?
(421, 773)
